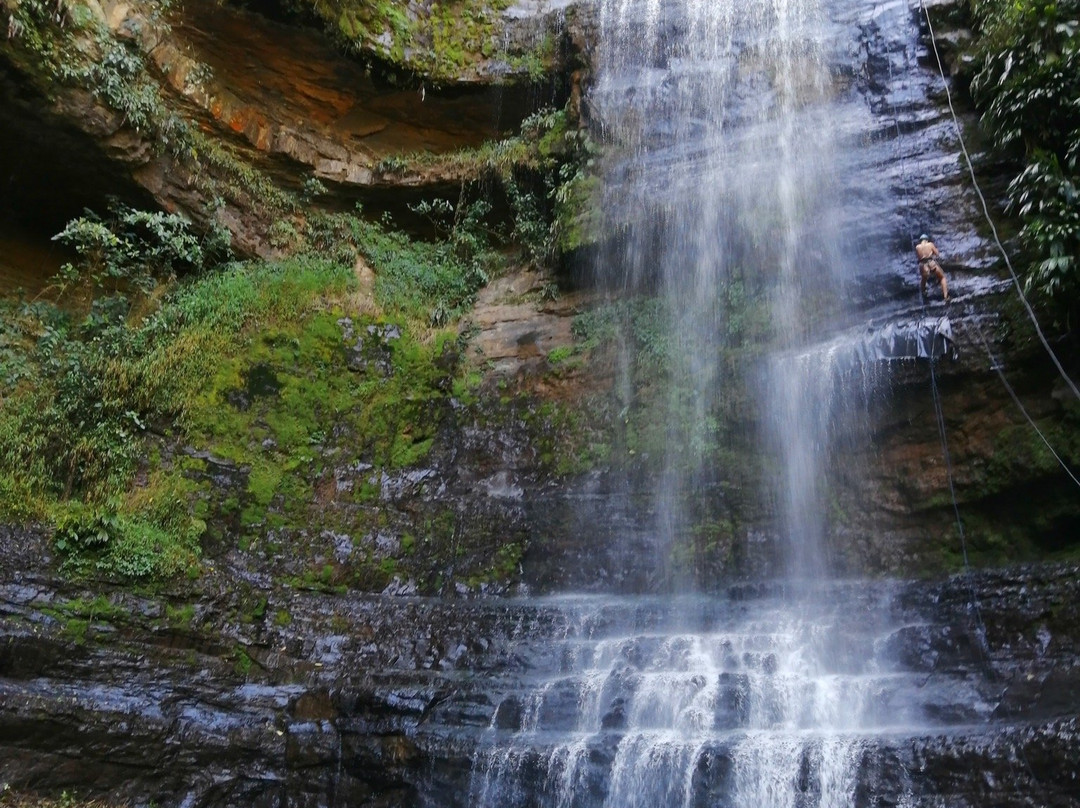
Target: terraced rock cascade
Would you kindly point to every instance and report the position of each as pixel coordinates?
(723, 112)
(566, 700)
(685, 702)
(744, 701)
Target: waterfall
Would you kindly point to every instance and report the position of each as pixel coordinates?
(691, 701)
(728, 187)
(734, 133)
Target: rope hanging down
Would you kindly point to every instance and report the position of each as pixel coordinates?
(1016, 399)
(939, 413)
(986, 209)
(1016, 281)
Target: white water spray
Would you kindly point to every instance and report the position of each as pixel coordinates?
(755, 706)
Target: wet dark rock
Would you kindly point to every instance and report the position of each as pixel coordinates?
(352, 700)
(508, 715)
(382, 697)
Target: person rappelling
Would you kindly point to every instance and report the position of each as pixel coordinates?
(928, 256)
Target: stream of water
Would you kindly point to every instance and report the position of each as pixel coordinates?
(744, 153)
(783, 701)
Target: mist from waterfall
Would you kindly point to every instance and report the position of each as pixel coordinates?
(693, 702)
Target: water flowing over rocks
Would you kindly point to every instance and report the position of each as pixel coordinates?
(304, 106)
(381, 701)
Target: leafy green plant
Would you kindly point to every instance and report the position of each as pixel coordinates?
(392, 165)
(557, 356)
(1048, 200)
(75, 432)
(79, 532)
(311, 189)
(137, 247)
(434, 282)
(105, 540)
(1027, 82)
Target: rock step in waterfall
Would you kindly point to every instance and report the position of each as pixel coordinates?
(746, 132)
(665, 702)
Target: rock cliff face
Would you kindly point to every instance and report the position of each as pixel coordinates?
(223, 114)
(899, 500)
(249, 121)
(322, 667)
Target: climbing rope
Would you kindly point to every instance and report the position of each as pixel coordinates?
(978, 329)
(1016, 281)
(986, 210)
(1016, 399)
(939, 416)
(939, 412)
(982, 640)
(983, 643)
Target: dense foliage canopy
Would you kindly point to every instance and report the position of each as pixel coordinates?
(1028, 85)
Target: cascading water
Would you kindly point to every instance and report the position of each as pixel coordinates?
(694, 702)
(732, 176)
(728, 188)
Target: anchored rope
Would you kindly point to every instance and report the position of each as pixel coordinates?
(1016, 281)
(939, 416)
(969, 577)
(939, 412)
(986, 210)
(978, 329)
(1016, 399)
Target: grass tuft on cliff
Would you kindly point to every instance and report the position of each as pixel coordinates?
(442, 41)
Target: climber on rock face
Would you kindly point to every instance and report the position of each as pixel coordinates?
(928, 266)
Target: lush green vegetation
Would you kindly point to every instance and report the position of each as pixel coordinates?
(147, 419)
(67, 45)
(119, 394)
(1027, 83)
(548, 173)
(12, 799)
(126, 403)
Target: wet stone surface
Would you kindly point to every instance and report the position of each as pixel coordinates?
(393, 700)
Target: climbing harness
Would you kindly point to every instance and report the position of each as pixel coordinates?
(939, 413)
(994, 364)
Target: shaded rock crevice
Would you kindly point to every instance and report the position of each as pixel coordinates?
(214, 104)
